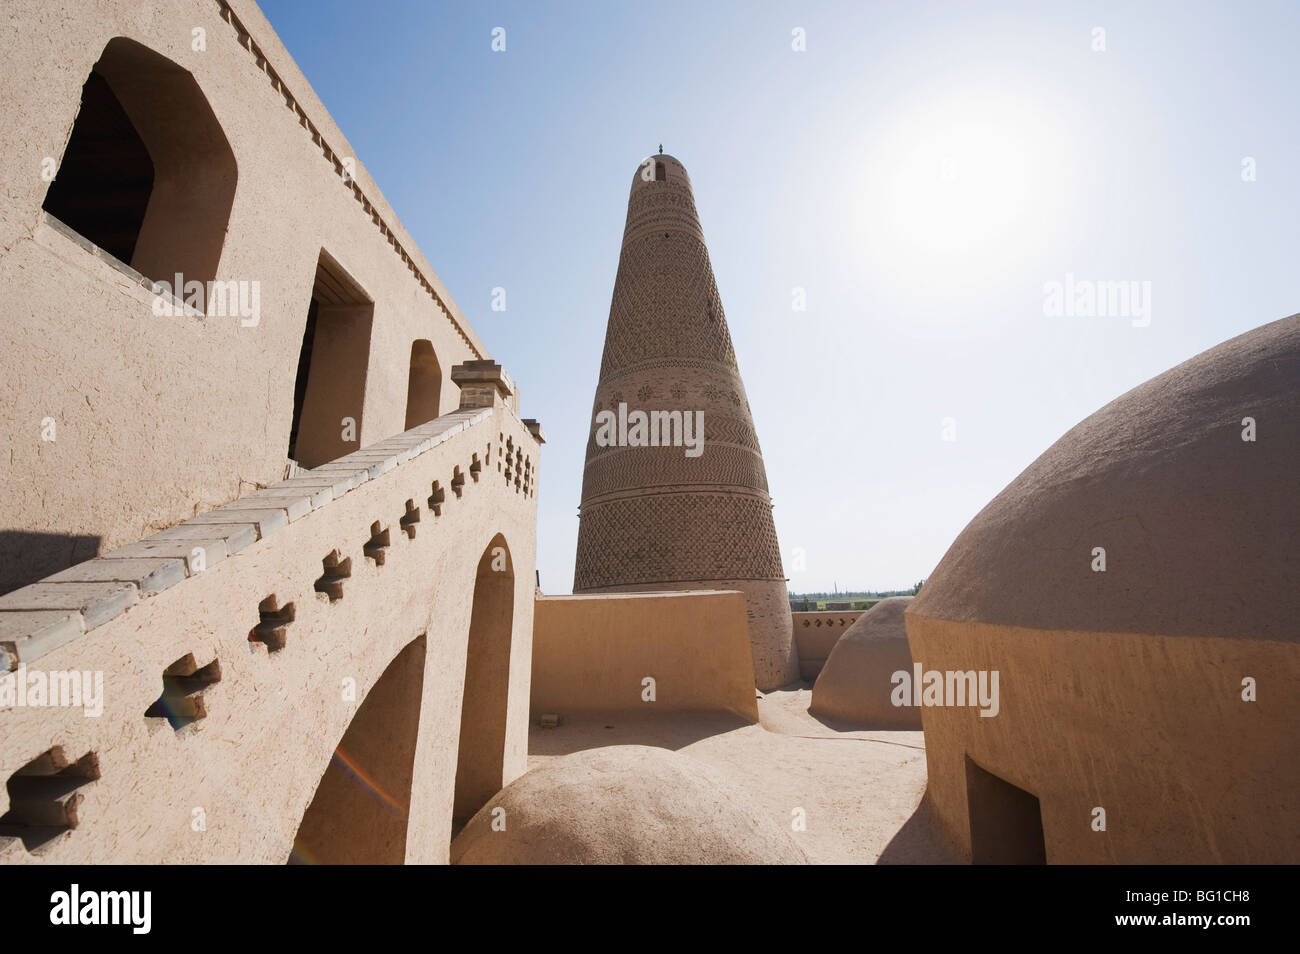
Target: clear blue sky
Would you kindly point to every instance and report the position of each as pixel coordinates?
(922, 170)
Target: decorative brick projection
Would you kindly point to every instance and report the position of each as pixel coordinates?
(437, 499)
(184, 684)
(815, 635)
(409, 519)
(337, 569)
(376, 548)
(273, 630)
(44, 796)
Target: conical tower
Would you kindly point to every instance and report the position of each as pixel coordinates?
(692, 514)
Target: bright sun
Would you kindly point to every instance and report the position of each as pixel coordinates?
(958, 187)
(959, 184)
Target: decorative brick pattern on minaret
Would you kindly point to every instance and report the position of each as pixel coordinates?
(654, 518)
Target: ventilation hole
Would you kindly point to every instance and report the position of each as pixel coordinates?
(436, 501)
(377, 546)
(457, 481)
(44, 796)
(272, 631)
(806, 623)
(410, 519)
(181, 702)
(337, 569)
(475, 467)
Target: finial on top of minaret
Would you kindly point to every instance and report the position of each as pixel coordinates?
(661, 149)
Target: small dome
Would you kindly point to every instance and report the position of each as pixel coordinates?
(625, 804)
(854, 686)
(659, 167)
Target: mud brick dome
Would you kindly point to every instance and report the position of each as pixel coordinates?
(1161, 688)
(654, 518)
(625, 804)
(856, 686)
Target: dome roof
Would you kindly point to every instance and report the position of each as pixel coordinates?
(855, 684)
(625, 804)
(1199, 526)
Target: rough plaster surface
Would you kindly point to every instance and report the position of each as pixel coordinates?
(595, 652)
(1123, 689)
(860, 792)
(627, 804)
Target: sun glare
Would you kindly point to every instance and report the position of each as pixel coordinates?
(960, 184)
(960, 187)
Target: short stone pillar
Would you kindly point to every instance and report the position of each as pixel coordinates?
(484, 384)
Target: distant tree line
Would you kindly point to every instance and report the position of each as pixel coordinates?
(848, 600)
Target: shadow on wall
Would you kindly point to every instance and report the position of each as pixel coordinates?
(360, 812)
(480, 755)
(920, 841)
(27, 555)
(330, 387)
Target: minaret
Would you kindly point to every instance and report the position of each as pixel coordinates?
(696, 515)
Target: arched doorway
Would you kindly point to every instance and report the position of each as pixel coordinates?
(359, 813)
(423, 385)
(480, 759)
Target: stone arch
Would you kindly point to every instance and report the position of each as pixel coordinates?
(423, 385)
(480, 758)
(146, 136)
(360, 812)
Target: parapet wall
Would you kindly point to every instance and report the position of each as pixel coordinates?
(230, 676)
(815, 635)
(593, 653)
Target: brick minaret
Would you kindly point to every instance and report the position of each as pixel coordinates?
(678, 517)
